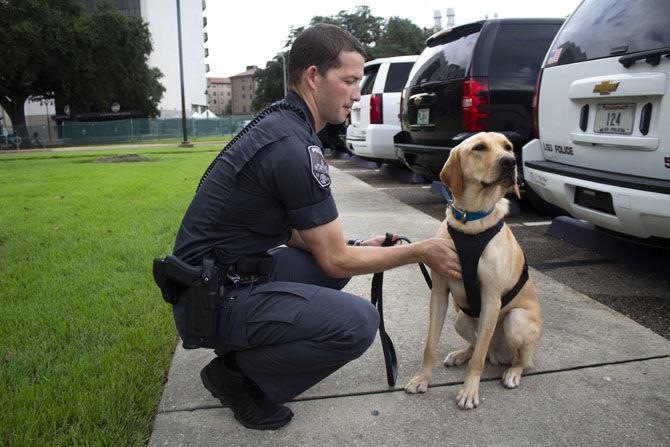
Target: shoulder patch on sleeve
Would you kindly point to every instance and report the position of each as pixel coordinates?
(318, 166)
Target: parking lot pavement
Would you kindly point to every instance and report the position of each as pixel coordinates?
(616, 281)
(599, 378)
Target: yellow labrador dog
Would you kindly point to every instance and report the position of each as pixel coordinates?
(498, 312)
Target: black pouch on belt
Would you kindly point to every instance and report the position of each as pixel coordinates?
(202, 301)
(254, 268)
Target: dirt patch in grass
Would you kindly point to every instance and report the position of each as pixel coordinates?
(123, 158)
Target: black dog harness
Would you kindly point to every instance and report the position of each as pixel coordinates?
(470, 248)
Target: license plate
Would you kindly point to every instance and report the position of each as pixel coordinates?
(615, 118)
(423, 117)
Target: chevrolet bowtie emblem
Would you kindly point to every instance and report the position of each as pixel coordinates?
(605, 87)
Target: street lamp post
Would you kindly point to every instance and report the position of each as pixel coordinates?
(283, 64)
(185, 142)
(46, 105)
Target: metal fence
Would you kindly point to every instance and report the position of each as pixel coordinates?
(136, 130)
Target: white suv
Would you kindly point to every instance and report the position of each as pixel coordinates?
(603, 116)
(374, 119)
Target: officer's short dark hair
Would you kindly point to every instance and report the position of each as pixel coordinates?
(320, 45)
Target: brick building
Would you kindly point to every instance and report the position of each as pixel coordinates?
(243, 89)
(219, 96)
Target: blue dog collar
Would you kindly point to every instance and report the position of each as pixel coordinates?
(462, 216)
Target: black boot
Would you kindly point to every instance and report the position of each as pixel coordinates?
(262, 399)
(256, 393)
(236, 390)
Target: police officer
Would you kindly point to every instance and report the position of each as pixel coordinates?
(269, 194)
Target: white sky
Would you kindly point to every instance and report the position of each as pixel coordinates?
(251, 32)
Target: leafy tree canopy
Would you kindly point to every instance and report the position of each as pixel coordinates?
(401, 37)
(381, 38)
(270, 83)
(51, 49)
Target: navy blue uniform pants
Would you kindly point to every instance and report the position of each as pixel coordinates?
(297, 329)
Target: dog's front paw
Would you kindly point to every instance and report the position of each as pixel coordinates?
(468, 397)
(512, 377)
(457, 358)
(418, 384)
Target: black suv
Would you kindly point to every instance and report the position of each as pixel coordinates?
(471, 78)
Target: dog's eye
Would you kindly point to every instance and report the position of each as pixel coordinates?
(479, 147)
(508, 147)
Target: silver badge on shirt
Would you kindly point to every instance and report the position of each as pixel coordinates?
(318, 166)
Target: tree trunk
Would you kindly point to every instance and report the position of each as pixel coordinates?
(15, 108)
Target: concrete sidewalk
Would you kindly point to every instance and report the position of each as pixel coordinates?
(599, 379)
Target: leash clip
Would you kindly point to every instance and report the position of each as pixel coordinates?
(237, 280)
(233, 277)
(450, 204)
(249, 279)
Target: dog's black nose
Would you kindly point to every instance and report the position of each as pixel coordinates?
(507, 164)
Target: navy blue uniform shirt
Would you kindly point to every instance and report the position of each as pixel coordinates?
(272, 180)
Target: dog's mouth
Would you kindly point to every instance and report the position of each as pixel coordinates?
(505, 179)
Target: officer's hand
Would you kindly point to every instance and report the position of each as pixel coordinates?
(377, 241)
(441, 256)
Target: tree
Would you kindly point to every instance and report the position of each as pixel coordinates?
(50, 49)
(363, 25)
(380, 38)
(270, 83)
(400, 37)
(35, 36)
(113, 66)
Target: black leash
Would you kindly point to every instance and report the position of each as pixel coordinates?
(390, 358)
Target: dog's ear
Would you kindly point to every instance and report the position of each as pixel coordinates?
(452, 174)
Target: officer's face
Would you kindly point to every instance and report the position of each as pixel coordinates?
(339, 88)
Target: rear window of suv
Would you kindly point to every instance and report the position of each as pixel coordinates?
(369, 80)
(449, 59)
(508, 61)
(397, 76)
(607, 28)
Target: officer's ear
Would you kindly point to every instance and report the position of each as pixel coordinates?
(310, 76)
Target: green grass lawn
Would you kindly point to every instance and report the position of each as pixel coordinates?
(85, 338)
(172, 140)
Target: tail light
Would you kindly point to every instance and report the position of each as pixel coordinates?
(536, 103)
(376, 109)
(475, 103)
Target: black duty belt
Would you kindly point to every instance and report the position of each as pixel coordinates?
(390, 358)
